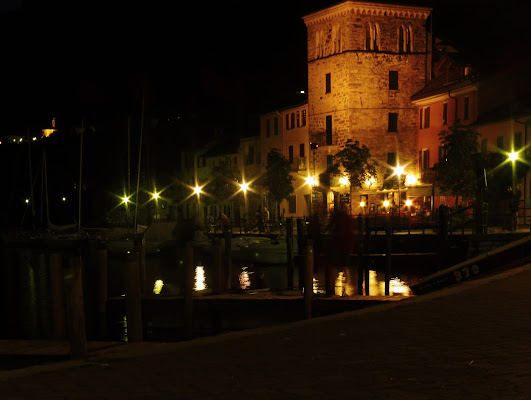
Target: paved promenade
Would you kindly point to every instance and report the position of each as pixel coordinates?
(472, 341)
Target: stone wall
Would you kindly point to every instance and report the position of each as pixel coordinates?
(360, 99)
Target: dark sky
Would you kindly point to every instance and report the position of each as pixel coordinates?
(224, 61)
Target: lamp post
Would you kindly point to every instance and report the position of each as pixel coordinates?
(155, 197)
(399, 171)
(513, 157)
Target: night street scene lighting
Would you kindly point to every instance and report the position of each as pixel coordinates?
(221, 176)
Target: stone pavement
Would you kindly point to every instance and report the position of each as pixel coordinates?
(471, 341)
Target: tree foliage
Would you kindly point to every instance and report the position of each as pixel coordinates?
(357, 163)
(456, 172)
(277, 179)
(223, 185)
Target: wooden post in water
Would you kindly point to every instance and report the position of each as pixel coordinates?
(57, 290)
(289, 251)
(101, 257)
(388, 254)
(218, 266)
(227, 234)
(301, 248)
(140, 249)
(73, 279)
(367, 248)
(308, 278)
(133, 299)
(189, 273)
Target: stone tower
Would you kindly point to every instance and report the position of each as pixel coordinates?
(365, 61)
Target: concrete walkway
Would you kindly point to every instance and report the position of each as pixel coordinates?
(471, 341)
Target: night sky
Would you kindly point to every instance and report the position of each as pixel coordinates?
(222, 61)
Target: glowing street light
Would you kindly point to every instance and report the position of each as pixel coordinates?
(408, 203)
(197, 190)
(399, 171)
(244, 187)
(513, 157)
(125, 200)
(156, 195)
(386, 203)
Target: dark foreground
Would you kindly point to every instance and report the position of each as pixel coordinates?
(470, 341)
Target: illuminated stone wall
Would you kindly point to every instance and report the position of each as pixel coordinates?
(360, 99)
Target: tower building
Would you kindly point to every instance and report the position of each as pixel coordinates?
(365, 61)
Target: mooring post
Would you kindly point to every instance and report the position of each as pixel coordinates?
(227, 233)
(57, 289)
(388, 252)
(75, 309)
(301, 248)
(140, 249)
(308, 278)
(289, 251)
(133, 299)
(218, 265)
(188, 289)
(101, 257)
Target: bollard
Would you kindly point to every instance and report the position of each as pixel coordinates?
(308, 278)
(289, 251)
(101, 256)
(227, 233)
(57, 296)
(188, 289)
(133, 300)
(75, 309)
(218, 266)
(388, 251)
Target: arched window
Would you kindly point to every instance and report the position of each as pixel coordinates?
(409, 35)
(336, 39)
(372, 37)
(405, 39)
(401, 36)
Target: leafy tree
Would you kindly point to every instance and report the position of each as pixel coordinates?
(224, 184)
(277, 179)
(456, 172)
(356, 162)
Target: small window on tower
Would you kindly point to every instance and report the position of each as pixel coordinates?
(392, 125)
(328, 83)
(393, 80)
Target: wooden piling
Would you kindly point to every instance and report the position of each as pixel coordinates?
(308, 278)
(133, 299)
(189, 273)
(57, 290)
(101, 256)
(289, 251)
(73, 279)
(227, 234)
(388, 255)
(217, 261)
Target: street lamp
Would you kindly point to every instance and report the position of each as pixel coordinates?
(311, 182)
(155, 197)
(513, 157)
(399, 171)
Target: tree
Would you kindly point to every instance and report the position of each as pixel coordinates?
(224, 184)
(456, 172)
(277, 179)
(356, 162)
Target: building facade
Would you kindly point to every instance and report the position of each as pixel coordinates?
(365, 61)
